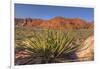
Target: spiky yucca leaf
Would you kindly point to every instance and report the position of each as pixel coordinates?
(50, 43)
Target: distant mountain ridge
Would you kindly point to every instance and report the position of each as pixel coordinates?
(55, 23)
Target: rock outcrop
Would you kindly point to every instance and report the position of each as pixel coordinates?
(55, 23)
(86, 52)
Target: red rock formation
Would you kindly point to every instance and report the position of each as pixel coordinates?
(55, 23)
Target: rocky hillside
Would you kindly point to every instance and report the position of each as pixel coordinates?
(55, 23)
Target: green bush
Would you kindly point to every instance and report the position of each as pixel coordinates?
(50, 44)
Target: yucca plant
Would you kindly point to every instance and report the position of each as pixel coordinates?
(50, 44)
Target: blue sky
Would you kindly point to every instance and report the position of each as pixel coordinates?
(47, 12)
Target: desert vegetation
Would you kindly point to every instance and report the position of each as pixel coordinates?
(57, 40)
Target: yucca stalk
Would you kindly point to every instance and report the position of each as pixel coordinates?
(50, 44)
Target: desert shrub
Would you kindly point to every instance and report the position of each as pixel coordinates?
(50, 44)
